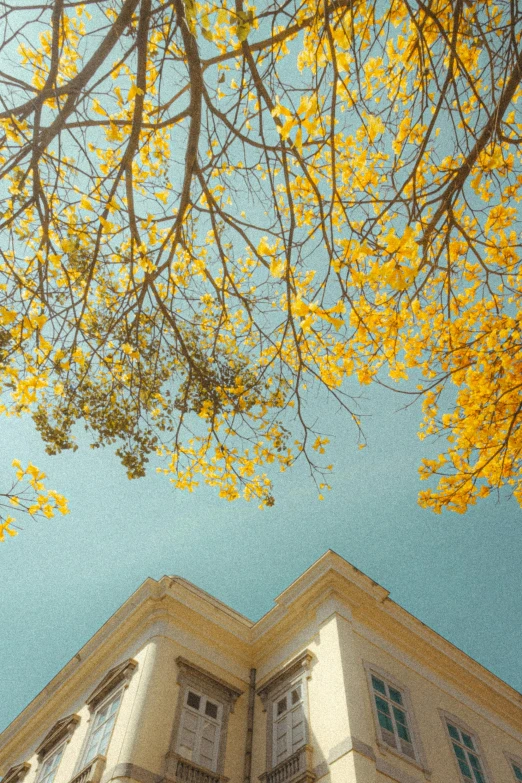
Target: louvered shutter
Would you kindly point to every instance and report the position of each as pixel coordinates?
(200, 730)
(282, 738)
(188, 734)
(289, 724)
(298, 727)
(208, 745)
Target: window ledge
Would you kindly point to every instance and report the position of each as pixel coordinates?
(297, 768)
(185, 771)
(386, 749)
(92, 772)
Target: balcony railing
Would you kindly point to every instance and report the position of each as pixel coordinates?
(185, 771)
(92, 772)
(295, 768)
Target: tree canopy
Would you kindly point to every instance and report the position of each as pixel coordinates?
(209, 210)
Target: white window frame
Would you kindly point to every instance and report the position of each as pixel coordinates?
(58, 749)
(112, 696)
(463, 728)
(418, 759)
(202, 716)
(296, 673)
(195, 679)
(286, 717)
(114, 682)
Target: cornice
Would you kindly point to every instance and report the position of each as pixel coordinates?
(331, 576)
(293, 669)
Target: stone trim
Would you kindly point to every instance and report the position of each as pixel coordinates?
(61, 730)
(348, 745)
(190, 672)
(17, 773)
(119, 674)
(351, 745)
(295, 668)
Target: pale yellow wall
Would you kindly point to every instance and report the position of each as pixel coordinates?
(75, 744)
(150, 731)
(427, 697)
(143, 728)
(340, 708)
(342, 729)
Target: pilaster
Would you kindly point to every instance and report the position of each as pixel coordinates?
(343, 733)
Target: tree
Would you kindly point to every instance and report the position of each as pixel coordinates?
(210, 209)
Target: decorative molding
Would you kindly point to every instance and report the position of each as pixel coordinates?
(61, 730)
(192, 674)
(348, 745)
(17, 773)
(295, 668)
(116, 676)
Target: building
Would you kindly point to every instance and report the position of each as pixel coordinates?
(337, 683)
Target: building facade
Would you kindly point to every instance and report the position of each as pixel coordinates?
(337, 683)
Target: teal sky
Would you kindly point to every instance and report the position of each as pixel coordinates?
(62, 578)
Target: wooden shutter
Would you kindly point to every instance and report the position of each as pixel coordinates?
(281, 739)
(289, 724)
(188, 734)
(200, 730)
(208, 743)
(297, 720)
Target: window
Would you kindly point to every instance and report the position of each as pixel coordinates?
(50, 765)
(200, 729)
(289, 732)
(391, 716)
(50, 750)
(466, 753)
(103, 721)
(285, 696)
(104, 702)
(200, 726)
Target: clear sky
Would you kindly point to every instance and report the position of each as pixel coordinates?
(62, 578)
